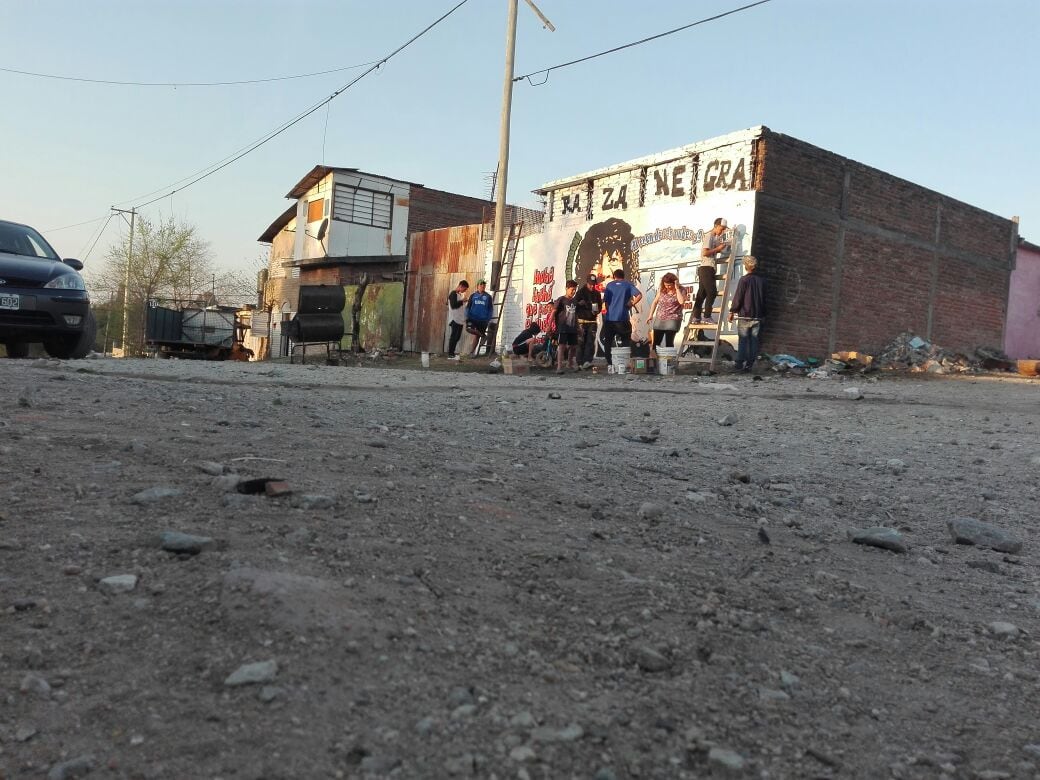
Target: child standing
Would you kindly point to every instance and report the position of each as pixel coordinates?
(565, 315)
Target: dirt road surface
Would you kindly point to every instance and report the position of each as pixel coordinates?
(513, 577)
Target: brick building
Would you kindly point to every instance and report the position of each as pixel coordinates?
(853, 255)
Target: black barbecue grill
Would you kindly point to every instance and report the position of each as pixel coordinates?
(318, 320)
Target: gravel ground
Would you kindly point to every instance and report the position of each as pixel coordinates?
(473, 575)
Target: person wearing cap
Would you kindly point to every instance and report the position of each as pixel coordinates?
(716, 248)
(478, 314)
(589, 301)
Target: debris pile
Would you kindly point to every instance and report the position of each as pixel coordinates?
(913, 353)
(906, 352)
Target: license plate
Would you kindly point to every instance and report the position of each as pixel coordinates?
(9, 301)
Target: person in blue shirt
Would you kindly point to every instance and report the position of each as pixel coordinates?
(619, 297)
(478, 314)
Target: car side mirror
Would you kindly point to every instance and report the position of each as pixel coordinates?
(73, 263)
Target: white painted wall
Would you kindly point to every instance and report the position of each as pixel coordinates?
(664, 234)
(348, 239)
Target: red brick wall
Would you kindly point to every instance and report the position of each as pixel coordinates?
(854, 256)
(429, 209)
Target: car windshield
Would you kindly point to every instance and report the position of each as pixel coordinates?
(23, 240)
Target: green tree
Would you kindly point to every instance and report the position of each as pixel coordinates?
(171, 263)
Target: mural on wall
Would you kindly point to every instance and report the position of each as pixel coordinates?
(647, 218)
(648, 243)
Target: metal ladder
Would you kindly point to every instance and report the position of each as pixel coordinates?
(500, 279)
(695, 335)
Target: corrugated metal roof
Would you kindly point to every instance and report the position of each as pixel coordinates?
(319, 172)
(275, 227)
(656, 159)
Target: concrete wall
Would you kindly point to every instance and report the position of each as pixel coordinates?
(1022, 336)
(854, 256)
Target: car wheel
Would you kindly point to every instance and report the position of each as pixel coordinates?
(17, 349)
(76, 346)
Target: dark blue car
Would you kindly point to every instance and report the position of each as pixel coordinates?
(42, 297)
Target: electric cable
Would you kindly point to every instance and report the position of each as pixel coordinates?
(210, 170)
(96, 238)
(78, 224)
(181, 83)
(546, 71)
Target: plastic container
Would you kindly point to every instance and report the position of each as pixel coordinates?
(424, 359)
(667, 357)
(619, 357)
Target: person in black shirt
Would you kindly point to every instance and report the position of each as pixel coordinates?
(589, 301)
(748, 307)
(529, 343)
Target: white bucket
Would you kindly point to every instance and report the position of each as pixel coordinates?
(424, 359)
(619, 357)
(667, 357)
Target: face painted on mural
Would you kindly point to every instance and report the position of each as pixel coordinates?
(606, 247)
(610, 262)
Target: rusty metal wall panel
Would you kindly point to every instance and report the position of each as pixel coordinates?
(438, 260)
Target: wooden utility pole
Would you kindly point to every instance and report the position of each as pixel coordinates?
(503, 130)
(126, 277)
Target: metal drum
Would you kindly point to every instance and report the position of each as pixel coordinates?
(315, 327)
(321, 299)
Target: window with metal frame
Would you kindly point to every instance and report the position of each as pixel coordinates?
(362, 206)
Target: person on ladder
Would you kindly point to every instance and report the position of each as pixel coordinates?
(716, 249)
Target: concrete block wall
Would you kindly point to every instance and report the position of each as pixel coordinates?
(854, 256)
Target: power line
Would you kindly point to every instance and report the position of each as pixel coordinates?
(181, 83)
(78, 224)
(98, 237)
(210, 170)
(547, 71)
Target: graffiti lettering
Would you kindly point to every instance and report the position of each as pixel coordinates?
(717, 175)
(571, 203)
(661, 183)
(612, 200)
(540, 304)
(677, 187)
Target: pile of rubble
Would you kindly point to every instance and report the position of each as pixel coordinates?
(910, 352)
(907, 352)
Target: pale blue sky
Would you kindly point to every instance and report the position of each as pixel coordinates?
(940, 92)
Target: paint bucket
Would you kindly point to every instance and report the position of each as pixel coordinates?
(667, 357)
(424, 359)
(619, 357)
